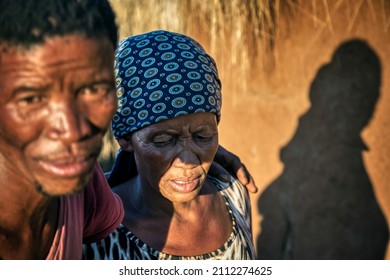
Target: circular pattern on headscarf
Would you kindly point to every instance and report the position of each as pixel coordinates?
(162, 75)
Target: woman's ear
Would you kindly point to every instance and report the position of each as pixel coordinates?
(125, 144)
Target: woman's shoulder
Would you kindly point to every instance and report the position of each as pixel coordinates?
(236, 194)
(233, 187)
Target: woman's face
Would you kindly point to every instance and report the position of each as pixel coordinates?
(174, 156)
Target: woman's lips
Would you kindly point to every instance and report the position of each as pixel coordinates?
(67, 167)
(185, 185)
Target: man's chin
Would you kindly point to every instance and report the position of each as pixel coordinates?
(54, 185)
(62, 187)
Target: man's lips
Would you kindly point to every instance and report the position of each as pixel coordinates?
(185, 185)
(68, 166)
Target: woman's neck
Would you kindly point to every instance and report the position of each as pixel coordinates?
(169, 227)
(147, 201)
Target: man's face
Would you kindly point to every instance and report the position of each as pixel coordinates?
(56, 102)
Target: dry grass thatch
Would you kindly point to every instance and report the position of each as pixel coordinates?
(233, 32)
(241, 34)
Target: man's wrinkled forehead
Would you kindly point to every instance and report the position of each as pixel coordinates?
(7, 48)
(57, 58)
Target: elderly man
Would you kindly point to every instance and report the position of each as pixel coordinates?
(57, 99)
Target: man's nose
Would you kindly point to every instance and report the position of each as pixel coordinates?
(67, 123)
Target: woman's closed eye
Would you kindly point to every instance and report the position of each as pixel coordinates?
(199, 137)
(163, 140)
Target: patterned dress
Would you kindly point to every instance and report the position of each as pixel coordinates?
(122, 244)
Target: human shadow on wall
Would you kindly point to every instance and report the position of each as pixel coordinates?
(323, 205)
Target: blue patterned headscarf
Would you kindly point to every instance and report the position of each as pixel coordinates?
(161, 75)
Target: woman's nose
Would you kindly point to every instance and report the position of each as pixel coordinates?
(186, 159)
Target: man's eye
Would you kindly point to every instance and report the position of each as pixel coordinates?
(31, 100)
(100, 89)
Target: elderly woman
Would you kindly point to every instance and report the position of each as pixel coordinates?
(169, 108)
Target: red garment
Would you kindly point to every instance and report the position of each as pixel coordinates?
(89, 216)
